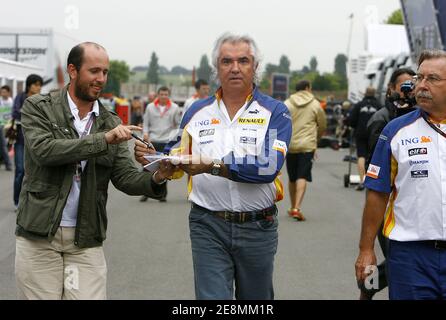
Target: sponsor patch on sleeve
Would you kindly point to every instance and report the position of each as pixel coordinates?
(373, 171)
(280, 145)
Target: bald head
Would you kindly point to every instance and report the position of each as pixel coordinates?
(88, 66)
(76, 55)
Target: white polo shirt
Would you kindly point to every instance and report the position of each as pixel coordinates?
(410, 163)
(69, 215)
(253, 145)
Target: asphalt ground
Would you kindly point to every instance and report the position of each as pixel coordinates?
(148, 248)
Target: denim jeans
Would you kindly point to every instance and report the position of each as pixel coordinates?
(19, 170)
(226, 254)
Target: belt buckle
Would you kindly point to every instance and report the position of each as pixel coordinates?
(227, 216)
(438, 246)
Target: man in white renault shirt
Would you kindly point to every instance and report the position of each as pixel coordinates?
(234, 145)
(406, 181)
(73, 148)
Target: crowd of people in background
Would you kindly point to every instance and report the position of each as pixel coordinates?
(301, 121)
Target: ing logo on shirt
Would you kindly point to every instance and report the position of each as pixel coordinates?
(202, 123)
(415, 140)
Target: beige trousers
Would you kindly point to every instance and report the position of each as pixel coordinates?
(59, 270)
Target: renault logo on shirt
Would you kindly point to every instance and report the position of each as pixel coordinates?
(260, 121)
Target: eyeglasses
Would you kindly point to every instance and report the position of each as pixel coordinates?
(430, 78)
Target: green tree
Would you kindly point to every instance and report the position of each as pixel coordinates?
(270, 69)
(284, 64)
(204, 70)
(321, 83)
(340, 67)
(119, 72)
(153, 72)
(396, 17)
(163, 70)
(177, 70)
(313, 64)
(265, 85)
(305, 70)
(297, 76)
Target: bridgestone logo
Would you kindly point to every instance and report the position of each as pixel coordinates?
(417, 151)
(23, 51)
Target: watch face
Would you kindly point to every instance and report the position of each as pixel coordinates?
(215, 171)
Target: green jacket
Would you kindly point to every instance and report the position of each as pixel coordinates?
(52, 150)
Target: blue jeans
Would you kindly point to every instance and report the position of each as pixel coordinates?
(226, 253)
(417, 271)
(19, 170)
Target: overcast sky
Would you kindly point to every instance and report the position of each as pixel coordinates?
(180, 32)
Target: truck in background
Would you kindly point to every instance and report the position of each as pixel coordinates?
(31, 48)
(14, 74)
(424, 28)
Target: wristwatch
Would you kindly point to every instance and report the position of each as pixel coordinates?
(158, 183)
(216, 167)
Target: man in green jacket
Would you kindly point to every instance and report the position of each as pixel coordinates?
(73, 148)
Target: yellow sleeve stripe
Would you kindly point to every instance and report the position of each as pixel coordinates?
(185, 148)
(389, 220)
(279, 188)
(280, 150)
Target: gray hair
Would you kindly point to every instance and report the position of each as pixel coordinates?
(233, 39)
(431, 54)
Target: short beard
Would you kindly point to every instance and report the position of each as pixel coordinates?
(81, 92)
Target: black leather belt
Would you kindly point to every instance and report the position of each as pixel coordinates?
(241, 217)
(437, 244)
